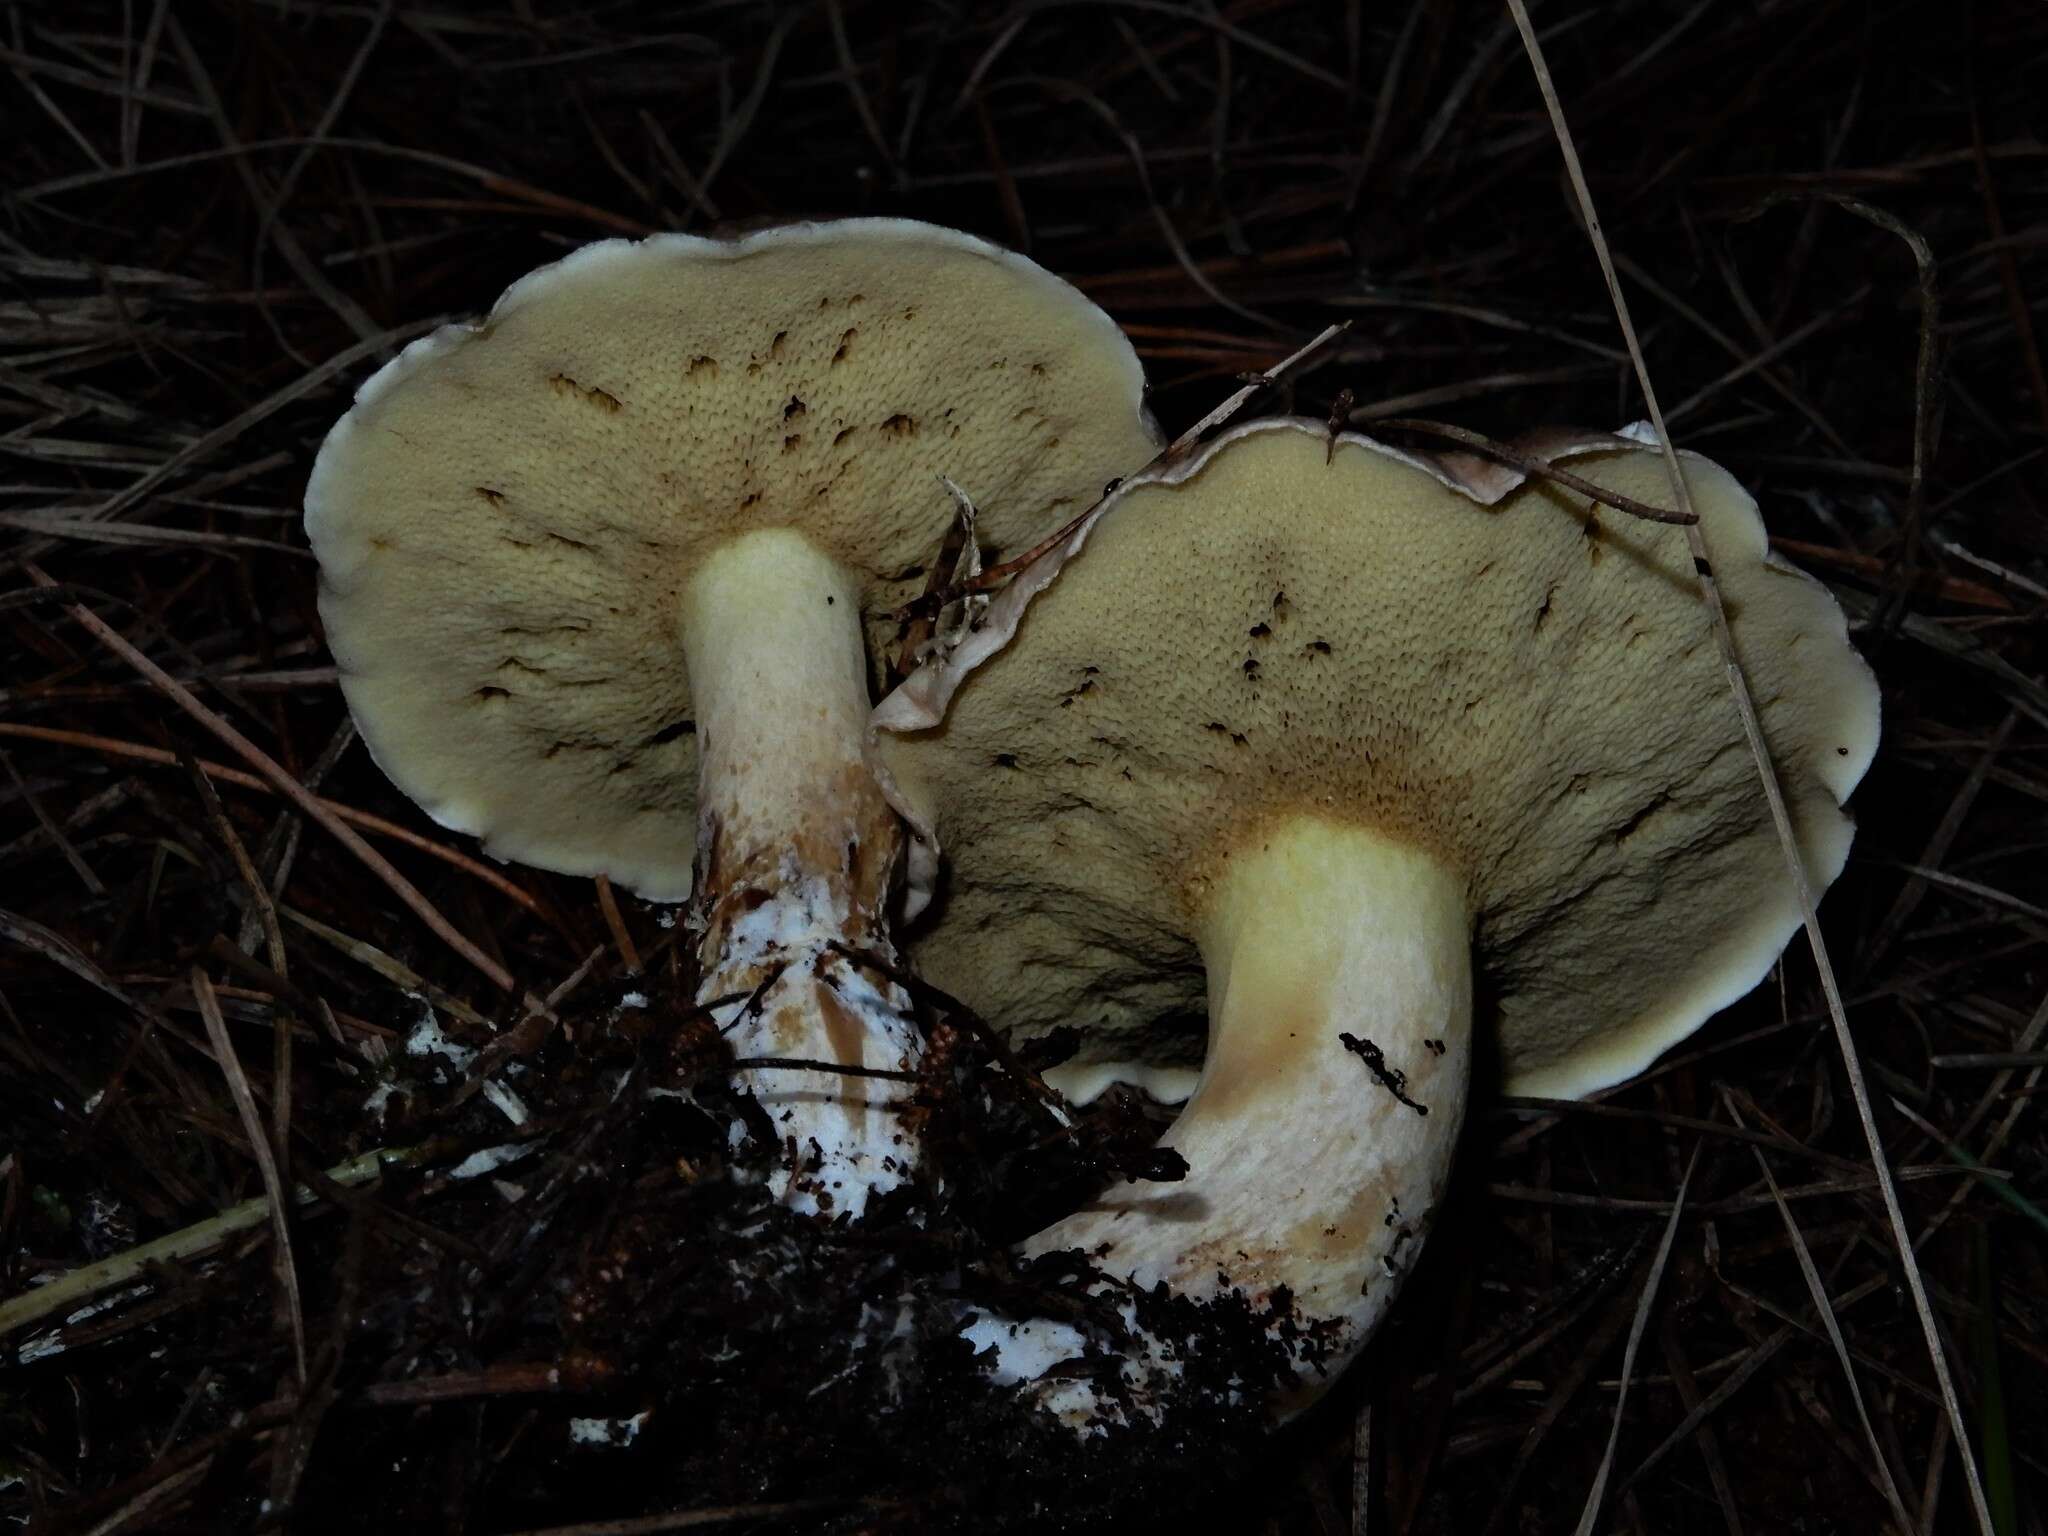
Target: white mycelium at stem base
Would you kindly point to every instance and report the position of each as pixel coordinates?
(795, 850)
(1313, 1162)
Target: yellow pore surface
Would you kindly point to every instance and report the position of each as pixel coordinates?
(507, 519)
(1529, 692)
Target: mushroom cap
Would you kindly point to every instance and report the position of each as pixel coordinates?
(1529, 692)
(506, 519)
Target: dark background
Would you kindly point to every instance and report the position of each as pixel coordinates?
(1832, 224)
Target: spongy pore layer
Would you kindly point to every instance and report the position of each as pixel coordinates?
(1530, 691)
(508, 515)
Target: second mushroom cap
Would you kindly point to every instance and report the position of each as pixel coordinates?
(1528, 691)
(1311, 728)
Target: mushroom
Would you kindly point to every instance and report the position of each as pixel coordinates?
(1310, 728)
(600, 572)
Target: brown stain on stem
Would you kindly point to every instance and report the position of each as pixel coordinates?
(843, 1032)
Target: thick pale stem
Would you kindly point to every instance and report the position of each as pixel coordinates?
(1312, 1164)
(795, 849)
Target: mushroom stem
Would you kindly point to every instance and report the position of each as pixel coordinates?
(796, 848)
(1313, 1163)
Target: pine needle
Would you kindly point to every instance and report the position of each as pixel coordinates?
(1644, 1305)
(1767, 774)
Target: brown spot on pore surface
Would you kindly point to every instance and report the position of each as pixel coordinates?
(900, 425)
(604, 400)
(495, 498)
(705, 368)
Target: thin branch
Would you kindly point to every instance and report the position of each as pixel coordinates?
(290, 787)
(1816, 1288)
(88, 1280)
(996, 575)
(368, 821)
(698, 1519)
(1537, 468)
(266, 1163)
(1644, 1303)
